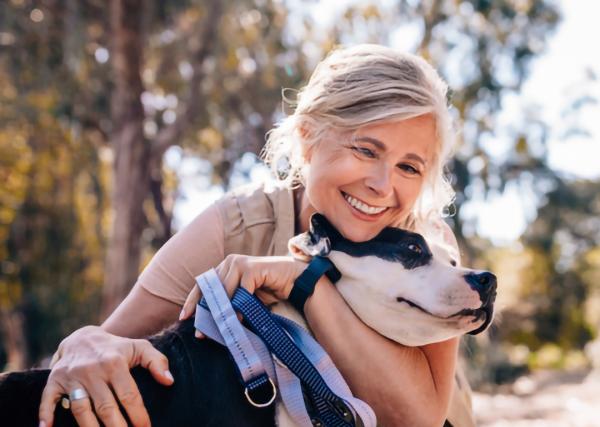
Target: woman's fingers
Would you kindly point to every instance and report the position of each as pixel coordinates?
(128, 394)
(104, 403)
(82, 411)
(50, 397)
(189, 307)
(229, 273)
(150, 358)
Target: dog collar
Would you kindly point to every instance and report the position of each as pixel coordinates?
(304, 285)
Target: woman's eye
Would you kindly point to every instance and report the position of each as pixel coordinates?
(365, 152)
(414, 248)
(410, 169)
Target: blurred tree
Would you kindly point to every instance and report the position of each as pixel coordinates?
(51, 197)
(203, 76)
(216, 67)
(566, 229)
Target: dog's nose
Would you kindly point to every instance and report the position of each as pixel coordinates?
(485, 284)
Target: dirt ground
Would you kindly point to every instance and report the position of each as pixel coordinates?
(548, 399)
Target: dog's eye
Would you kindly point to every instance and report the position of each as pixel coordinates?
(415, 248)
(453, 263)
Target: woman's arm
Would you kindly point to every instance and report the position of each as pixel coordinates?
(406, 386)
(156, 299)
(141, 314)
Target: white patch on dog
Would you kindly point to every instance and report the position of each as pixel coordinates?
(371, 286)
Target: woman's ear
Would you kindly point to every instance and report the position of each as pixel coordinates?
(305, 146)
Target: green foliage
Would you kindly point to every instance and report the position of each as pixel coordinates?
(50, 261)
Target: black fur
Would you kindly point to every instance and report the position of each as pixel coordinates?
(391, 244)
(206, 391)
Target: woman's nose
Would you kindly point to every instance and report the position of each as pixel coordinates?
(380, 180)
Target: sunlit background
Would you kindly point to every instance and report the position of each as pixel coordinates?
(565, 73)
(524, 76)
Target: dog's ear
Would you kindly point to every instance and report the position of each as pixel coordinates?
(320, 227)
(314, 242)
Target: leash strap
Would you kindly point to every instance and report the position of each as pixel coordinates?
(245, 356)
(289, 386)
(331, 409)
(326, 389)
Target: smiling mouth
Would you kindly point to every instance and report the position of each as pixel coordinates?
(362, 207)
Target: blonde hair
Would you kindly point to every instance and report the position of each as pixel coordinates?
(361, 85)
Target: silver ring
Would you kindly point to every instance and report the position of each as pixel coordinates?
(78, 394)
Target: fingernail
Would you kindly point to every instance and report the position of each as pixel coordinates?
(42, 424)
(169, 375)
(182, 314)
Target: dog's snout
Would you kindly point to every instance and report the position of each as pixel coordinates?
(484, 283)
(485, 279)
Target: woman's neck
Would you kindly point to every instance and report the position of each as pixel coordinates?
(302, 211)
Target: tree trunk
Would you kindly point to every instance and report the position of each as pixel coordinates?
(135, 157)
(130, 185)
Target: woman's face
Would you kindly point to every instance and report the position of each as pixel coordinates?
(367, 181)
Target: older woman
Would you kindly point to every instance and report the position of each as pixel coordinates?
(365, 146)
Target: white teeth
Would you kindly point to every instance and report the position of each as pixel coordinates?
(370, 210)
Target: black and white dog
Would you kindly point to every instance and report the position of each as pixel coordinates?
(396, 283)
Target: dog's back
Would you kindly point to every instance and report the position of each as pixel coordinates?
(206, 390)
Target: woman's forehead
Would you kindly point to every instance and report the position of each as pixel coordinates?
(417, 136)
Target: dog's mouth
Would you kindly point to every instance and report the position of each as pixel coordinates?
(485, 312)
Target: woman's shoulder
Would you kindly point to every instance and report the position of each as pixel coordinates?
(258, 217)
(256, 202)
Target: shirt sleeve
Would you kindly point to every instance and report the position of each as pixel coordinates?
(196, 248)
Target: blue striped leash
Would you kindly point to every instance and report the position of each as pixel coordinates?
(275, 351)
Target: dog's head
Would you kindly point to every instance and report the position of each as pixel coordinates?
(402, 287)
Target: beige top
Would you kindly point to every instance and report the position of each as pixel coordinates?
(251, 220)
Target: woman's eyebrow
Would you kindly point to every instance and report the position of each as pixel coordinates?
(372, 140)
(381, 146)
(416, 158)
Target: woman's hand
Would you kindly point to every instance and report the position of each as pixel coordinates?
(98, 362)
(268, 277)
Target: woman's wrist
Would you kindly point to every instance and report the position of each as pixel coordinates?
(298, 268)
(304, 284)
